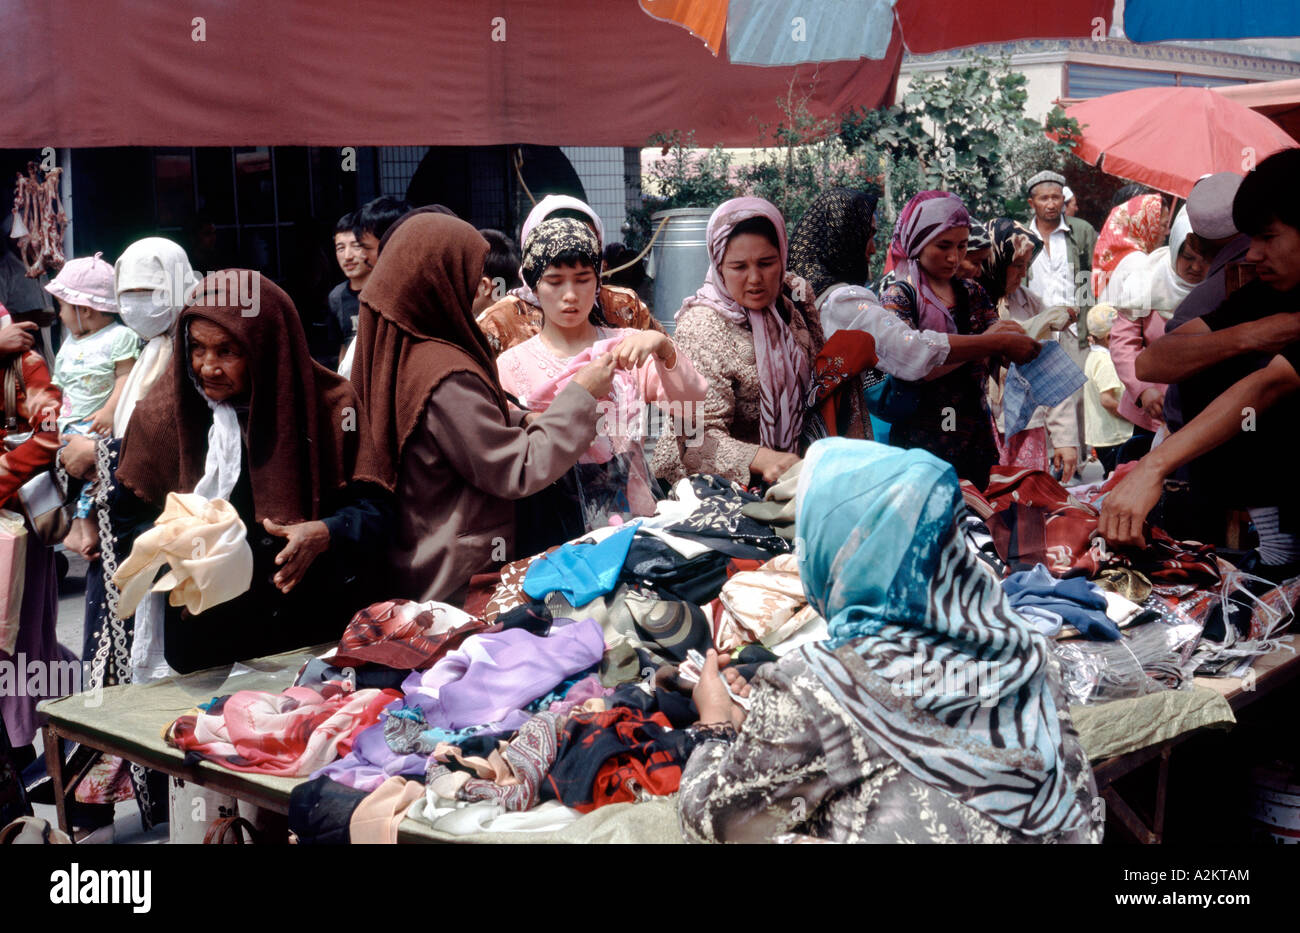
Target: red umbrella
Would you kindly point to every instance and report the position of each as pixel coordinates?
(1168, 137)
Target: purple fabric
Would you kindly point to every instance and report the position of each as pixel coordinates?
(589, 688)
(371, 761)
(925, 217)
(784, 371)
(492, 676)
(488, 679)
(38, 643)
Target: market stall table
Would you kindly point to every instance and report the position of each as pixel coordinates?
(128, 721)
(1136, 732)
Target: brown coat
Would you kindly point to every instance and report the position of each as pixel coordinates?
(460, 472)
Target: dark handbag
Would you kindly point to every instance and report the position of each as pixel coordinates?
(43, 499)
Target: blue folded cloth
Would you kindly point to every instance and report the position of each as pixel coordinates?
(580, 570)
(1047, 379)
(1075, 600)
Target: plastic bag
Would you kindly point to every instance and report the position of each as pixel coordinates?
(1149, 658)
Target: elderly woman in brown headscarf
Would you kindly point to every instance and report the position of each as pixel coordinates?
(456, 452)
(245, 415)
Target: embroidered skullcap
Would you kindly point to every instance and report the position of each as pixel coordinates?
(1043, 178)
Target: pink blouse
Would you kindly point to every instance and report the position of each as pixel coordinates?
(1128, 338)
(532, 373)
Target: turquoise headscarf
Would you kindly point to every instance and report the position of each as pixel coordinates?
(924, 651)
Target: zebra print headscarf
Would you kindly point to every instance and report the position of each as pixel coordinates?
(925, 652)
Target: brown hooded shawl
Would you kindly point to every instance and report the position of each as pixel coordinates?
(416, 327)
(306, 435)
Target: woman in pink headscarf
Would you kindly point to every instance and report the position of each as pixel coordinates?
(754, 339)
(950, 418)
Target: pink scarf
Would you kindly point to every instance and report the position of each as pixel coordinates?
(784, 373)
(925, 217)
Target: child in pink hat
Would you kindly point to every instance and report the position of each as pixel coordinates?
(94, 359)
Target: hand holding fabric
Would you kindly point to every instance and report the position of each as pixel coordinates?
(1066, 459)
(637, 348)
(1127, 505)
(710, 694)
(771, 465)
(206, 545)
(78, 455)
(597, 377)
(306, 542)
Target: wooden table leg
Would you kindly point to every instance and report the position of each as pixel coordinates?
(54, 766)
(1162, 788)
(1130, 820)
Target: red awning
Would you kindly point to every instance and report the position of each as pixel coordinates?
(330, 73)
(436, 72)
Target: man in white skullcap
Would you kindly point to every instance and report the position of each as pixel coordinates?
(1061, 273)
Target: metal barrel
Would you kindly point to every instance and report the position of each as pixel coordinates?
(681, 259)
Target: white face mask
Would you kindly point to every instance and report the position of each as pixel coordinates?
(144, 316)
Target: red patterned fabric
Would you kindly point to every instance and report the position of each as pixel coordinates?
(611, 757)
(837, 386)
(289, 734)
(1036, 520)
(404, 635)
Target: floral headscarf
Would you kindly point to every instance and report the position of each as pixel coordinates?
(549, 239)
(1133, 227)
(926, 216)
(1010, 241)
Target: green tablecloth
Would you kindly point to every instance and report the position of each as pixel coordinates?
(132, 718)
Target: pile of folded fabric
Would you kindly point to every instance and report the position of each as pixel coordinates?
(555, 692)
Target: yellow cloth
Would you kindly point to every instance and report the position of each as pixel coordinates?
(204, 543)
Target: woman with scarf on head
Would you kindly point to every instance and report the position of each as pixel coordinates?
(949, 417)
(831, 251)
(446, 440)
(1013, 247)
(752, 331)
(518, 316)
(1145, 283)
(150, 280)
(561, 261)
(933, 713)
(244, 415)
